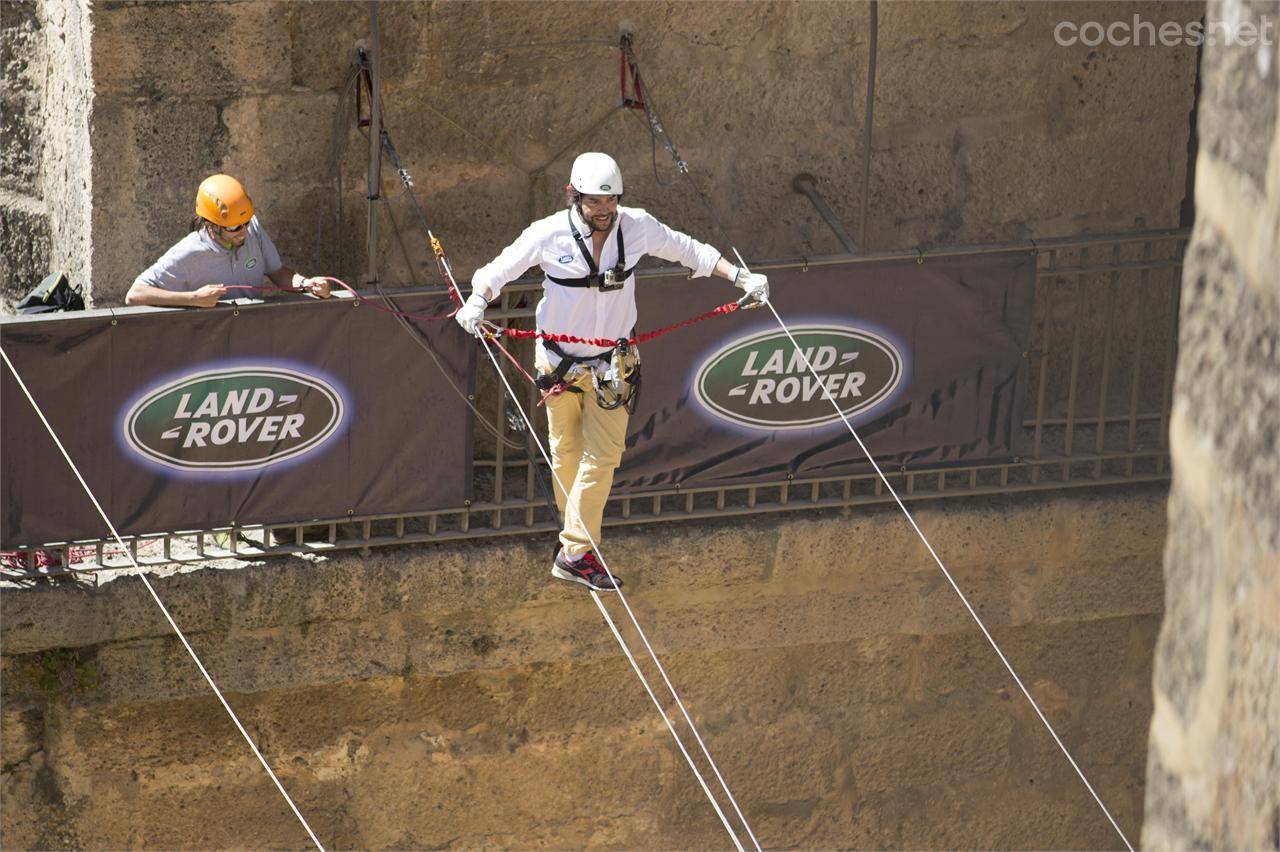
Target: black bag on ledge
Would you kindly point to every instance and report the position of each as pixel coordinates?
(54, 293)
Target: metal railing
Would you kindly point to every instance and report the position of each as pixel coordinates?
(1100, 381)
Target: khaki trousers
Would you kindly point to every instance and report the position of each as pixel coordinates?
(586, 446)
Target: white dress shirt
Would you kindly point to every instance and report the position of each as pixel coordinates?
(586, 311)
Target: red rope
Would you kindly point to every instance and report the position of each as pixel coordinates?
(512, 359)
(599, 342)
(726, 308)
(625, 64)
(519, 333)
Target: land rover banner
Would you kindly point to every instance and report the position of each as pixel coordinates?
(924, 359)
(196, 419)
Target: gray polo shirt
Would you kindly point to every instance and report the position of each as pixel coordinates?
(197, 259)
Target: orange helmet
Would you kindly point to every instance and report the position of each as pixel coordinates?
(222, 200)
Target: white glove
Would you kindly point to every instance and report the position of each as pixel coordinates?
(471, 314)
(755, 285)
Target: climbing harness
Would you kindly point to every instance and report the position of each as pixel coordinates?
(163, 609)
(615, 375)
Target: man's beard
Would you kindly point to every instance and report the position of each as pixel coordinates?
(591, 223)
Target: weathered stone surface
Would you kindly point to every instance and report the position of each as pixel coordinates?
(45, 159)
(146, 181)
(24, 218)
(451, 695)
(70, 152)
(20, 139)
(985, 129)
(24, 233)
(1215, 733)
(1239, 96)
(161, 51)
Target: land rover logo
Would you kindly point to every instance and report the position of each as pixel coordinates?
(762, 380)
(233, 419)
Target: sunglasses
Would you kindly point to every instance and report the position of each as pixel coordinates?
(237, 229)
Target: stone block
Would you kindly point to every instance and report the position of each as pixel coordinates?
(21, 140)
(24, 232)
(207, 51)
(1239, 95)
(156, 155)
(1213, 755)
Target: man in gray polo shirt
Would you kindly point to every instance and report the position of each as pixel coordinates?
(227, 251)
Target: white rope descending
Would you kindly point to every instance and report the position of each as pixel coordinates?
(627, 651)
(945, 572)
(160, 603)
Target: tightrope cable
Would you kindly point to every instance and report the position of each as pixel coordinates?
(160, 603)
(447, 272)
(627, 651)
(658, 130)
(805, 358)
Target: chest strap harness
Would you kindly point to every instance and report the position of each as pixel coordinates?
(621, 383)
(607, 281)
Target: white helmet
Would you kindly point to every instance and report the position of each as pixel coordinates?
(596, 174)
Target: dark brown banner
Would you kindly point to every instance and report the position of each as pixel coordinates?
(270, 413)
(925, 359)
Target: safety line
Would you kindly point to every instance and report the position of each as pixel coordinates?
(596, 549)
(160, 603)
(656, 127)
(447, 272)
(604, 343)
(415, 334)
(354, 293)
(945, 572)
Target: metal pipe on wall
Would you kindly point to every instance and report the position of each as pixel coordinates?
(867, 123)
(374, 191)
(805, 184)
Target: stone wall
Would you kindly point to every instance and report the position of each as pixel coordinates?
(985, 129)
(457, 696)
(45, 145)
(1215, 735)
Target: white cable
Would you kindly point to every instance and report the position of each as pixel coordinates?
(622, 643)
(945, 572)
(449, 279)
(160, 604)
(613, 628)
